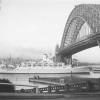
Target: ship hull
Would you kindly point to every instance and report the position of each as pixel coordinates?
(57, 72)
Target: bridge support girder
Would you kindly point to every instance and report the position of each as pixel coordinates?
(98, 42)
(66, 59)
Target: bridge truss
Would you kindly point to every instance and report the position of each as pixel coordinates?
(82, 31)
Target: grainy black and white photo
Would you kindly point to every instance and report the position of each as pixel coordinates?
(49, 49)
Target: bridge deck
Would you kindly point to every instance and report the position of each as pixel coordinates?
(90, 41)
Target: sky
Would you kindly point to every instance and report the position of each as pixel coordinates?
(36, 24)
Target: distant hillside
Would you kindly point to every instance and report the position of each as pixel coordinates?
(27, 53)
(7, 51)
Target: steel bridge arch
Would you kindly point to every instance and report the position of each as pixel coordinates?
(84, 13)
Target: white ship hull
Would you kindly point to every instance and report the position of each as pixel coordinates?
(66, 71)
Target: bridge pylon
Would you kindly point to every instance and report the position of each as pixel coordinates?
(98, 42)
(60, 58)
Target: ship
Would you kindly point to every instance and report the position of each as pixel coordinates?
(48, 66)
(48, 72)
(43, 66)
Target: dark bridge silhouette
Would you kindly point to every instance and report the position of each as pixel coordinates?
(82, 31)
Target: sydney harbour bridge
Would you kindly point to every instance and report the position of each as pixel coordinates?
(82, 31)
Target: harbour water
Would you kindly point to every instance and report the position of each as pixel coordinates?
(23, 78)
(20, 79)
